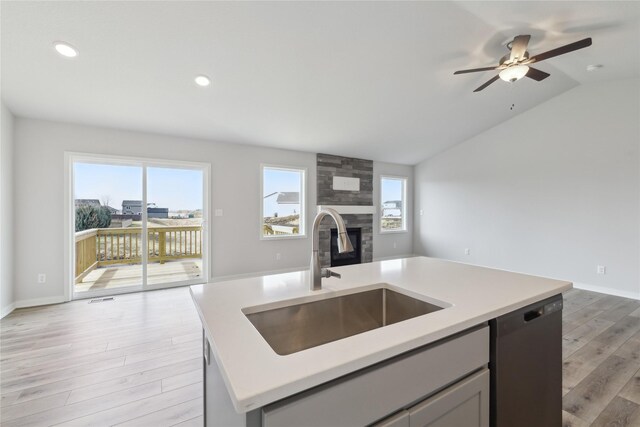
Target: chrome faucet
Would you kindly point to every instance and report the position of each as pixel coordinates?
(344, 245)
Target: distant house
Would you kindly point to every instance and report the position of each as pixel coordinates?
(288, 198)
(113, 211)
(392, 208)
(87, 202)
(132, 207)
(157, 212)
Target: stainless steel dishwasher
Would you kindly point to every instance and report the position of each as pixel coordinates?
(526, 366)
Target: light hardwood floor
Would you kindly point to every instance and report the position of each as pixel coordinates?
(132, 361)
(135, 361)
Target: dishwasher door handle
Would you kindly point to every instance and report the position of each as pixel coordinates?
(533, 314)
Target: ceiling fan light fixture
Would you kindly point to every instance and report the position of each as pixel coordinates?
(202, 80)
(514, 73)
(65, 49)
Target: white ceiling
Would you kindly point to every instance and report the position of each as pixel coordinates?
(372, 80)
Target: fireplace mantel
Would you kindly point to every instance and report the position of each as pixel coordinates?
(349, 209)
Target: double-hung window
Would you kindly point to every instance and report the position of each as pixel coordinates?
(393, 204)
(283, 201)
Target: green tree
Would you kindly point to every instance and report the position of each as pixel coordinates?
(92, 217)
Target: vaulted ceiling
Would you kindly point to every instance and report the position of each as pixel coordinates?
(364, 79)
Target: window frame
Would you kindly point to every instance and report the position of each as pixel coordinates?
(302, 229)
(405, 228)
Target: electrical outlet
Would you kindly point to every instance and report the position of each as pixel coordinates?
(421, 212)
(218, 212)
(395, 245)
(42, 278)
(278, 256)
(467, 251)
(601, 269)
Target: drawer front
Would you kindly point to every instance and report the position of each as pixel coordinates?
(367, 396)
(464, 404)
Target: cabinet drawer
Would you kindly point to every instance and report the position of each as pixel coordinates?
(465, 404)
(369, 395)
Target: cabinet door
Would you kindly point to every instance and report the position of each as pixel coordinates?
(464, 404)
(218, 408)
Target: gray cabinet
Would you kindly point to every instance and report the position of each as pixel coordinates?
(464, 404)
(218, 408)
(373, 393)
(449, 378)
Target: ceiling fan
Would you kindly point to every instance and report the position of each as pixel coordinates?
(516, 65)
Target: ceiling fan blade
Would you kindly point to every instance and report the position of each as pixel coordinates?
(536, 74)
(519, 47)
(475, 70)
(487, 83)
(580, 44)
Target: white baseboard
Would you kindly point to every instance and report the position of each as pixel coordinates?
(7, 310)
(39, 301)
(606, 290)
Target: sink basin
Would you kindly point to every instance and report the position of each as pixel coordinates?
(301, 326)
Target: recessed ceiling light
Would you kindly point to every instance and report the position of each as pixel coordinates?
(65, 49)
(594, 67)
(202, 80)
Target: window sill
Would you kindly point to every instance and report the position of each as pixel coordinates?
(393, 231)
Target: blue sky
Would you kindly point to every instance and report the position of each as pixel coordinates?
(391, 190)
(176, 189)
(276, 180)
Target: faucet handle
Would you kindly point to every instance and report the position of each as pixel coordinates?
(325, 272)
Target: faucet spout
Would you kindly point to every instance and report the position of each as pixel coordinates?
(344, 245)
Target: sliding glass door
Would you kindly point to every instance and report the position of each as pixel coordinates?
(108, 244)
(175, 225)
(137, 225)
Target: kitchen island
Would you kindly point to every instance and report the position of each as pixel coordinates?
(248, 383)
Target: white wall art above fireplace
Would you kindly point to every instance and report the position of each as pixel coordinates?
(345, 183)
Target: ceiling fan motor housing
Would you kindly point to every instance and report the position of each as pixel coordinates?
(505, 59)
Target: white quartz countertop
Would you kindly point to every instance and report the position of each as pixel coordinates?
(255, 375)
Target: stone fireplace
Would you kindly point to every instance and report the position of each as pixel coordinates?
(355, 205)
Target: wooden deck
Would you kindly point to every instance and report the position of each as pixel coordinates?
(121, 276)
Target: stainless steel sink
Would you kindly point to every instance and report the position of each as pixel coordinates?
(299, 327)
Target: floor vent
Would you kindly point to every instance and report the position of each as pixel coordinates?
(101, 300)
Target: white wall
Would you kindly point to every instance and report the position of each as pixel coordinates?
(383, 243)
(554, 191)
(6, 212)
(235, 175)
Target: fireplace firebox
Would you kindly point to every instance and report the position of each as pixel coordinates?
(355, 257)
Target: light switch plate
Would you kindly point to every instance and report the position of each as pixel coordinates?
(344, 183)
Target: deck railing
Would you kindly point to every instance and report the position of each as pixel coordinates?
(100, 247)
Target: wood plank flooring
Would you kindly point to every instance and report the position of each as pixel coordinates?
(135, 361)
(601, 366)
